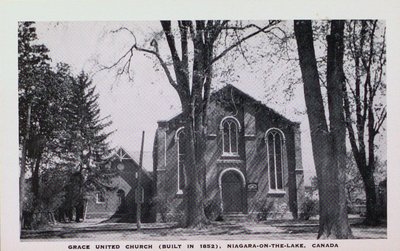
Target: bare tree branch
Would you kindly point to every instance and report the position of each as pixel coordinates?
(380, 69)
(162, 62)
(125, 29)
(182, 77)
(381, 119)
(183, 28)
(240, 48)
(264, 30)
(349, 123)
(128, 52)
(216, 29)
(166, 25)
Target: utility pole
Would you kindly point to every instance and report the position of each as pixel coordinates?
(139, 196)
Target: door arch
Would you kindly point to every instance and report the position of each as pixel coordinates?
(232, 184)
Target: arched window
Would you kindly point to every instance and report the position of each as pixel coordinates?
(179, 137)
(275, 148)
(230, 128)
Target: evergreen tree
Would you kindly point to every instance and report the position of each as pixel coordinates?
(86, 142)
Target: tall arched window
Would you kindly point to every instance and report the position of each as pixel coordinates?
(275, 149)
(230, 128)
(180, 134)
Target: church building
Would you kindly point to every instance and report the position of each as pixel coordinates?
(253, 161)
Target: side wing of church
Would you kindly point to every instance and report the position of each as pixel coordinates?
(119, 203)
(253, 161)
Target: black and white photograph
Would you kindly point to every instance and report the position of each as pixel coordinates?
(194, 133)
(222, 107)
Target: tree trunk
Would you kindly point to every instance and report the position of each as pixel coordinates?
(335, 83)
(35, 181)
(370, 192)
(369, 179)
(328, 146)
(194, 167)
(22, 183)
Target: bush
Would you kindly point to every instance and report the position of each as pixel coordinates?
(170, 210)
(213, 211)
(162, 207)
(266, 210)
(309, 208)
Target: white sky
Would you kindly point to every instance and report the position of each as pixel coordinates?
(137, 105)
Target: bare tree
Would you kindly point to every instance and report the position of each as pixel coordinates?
(364, 105)
(194, 48)
(328, 142)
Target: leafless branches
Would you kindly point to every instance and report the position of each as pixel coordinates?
(264, 29)
(203, 35)
(365, 87)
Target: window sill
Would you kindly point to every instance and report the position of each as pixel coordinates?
(275, 192)
(234, 155)
(236, 160)
(179, 194)
(250, 136)
(211, 136)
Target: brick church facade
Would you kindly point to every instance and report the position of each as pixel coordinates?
(253, 160)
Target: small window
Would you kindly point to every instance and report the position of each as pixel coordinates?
(230, 136)
(275, 149)
(100, 199)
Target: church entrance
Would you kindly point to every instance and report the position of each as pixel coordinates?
(232, 192)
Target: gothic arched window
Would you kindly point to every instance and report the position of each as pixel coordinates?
(230, 128)
(275, 148)
(180, 134)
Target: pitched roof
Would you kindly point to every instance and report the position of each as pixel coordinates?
(255, 101)
(249, 98)
(147, 164)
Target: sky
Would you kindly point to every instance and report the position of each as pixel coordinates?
(136, 105)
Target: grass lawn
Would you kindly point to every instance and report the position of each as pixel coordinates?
(271, 230)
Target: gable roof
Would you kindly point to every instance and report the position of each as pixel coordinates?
(217, 94)
(254, 101)
(123, 154)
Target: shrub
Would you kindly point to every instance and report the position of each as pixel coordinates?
(213, 211)
(162, 207)
(309, 208)
(266, 210)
